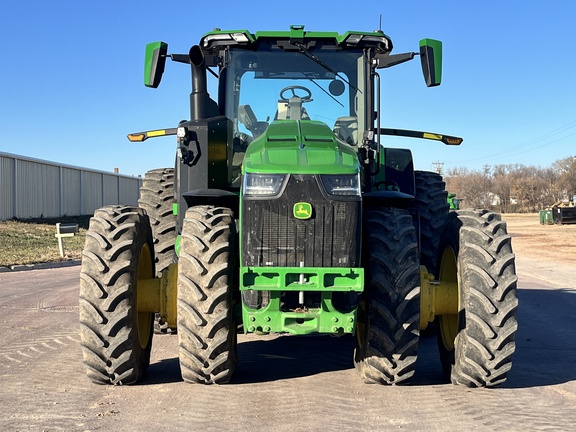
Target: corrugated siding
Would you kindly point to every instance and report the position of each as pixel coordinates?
(38, 190)
(91, 191)
(110, 189)
(6, 187)
(129, 191)
(31, 188)
(71, 192)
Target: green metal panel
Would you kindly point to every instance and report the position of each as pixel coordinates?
(325, 319)
(288, 278)
(306, 34)
(300, 147)
(275, 280)
(154, 63)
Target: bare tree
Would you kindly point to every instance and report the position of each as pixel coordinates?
(566, 169)
(552, 190)
(473, 187)
(502, 185)
(454, 178)
(514, 187)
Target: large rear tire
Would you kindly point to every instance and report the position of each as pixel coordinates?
(116, 337)
(387, 331)
(206, 328)
(157, 198)
(431, 204)
(476, 345)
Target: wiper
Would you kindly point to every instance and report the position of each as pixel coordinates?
(315, 59)
(323, 89)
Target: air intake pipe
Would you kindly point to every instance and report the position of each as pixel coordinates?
(199, 98)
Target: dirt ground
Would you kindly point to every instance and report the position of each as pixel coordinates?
(556, 243)
(285, 383)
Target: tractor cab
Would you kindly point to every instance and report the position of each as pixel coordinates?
(316, 91)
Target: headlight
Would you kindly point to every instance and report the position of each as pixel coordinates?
(224, 39)
(342, 184)
(263, 185)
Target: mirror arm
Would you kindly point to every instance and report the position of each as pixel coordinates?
(180, 58)
(393, 60)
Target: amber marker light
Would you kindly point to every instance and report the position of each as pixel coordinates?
(452, 140)
(137, 137)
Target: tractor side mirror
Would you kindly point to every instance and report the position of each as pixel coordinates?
(154, 63)
(431, 57)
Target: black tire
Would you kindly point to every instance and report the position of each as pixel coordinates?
(116, 338)
(387, 332)
(157, 198)
(477, 344)
(431, 204)
(206, 328)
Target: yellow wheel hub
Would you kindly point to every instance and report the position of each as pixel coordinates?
(448, 323)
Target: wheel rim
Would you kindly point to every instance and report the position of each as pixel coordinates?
(448, 324)
(145, 271)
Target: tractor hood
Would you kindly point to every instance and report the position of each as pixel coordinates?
(300, 147)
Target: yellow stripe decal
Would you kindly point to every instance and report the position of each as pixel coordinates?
(156, 133)
(432, 136)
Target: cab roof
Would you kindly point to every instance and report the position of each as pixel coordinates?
(218, 39)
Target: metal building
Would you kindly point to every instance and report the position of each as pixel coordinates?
(32, 188)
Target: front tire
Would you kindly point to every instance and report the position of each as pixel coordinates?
(206, 328)
(387, 332)
(116, 337)
(477, 344)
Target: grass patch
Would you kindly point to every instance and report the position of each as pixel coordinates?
(32, 241)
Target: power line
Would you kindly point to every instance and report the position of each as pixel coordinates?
(527, 144)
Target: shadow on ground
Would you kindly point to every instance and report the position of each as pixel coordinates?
(288, 357)
(545, 350)
(546, 338)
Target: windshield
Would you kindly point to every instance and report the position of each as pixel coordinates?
(263, 86)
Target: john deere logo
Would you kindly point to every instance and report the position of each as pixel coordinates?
(302, 210)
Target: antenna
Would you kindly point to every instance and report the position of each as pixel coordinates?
(380, 28)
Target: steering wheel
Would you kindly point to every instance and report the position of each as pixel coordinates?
(306, 98)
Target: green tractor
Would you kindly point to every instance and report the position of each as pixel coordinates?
(453, 202)
(285, 214)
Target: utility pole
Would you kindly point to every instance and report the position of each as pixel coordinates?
(438, 167)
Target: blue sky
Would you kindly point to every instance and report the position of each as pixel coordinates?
(71, 75)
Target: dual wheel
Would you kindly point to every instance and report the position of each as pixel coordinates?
(476, 343)
(116, 336)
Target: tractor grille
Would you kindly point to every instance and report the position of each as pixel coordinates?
(272, 236)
